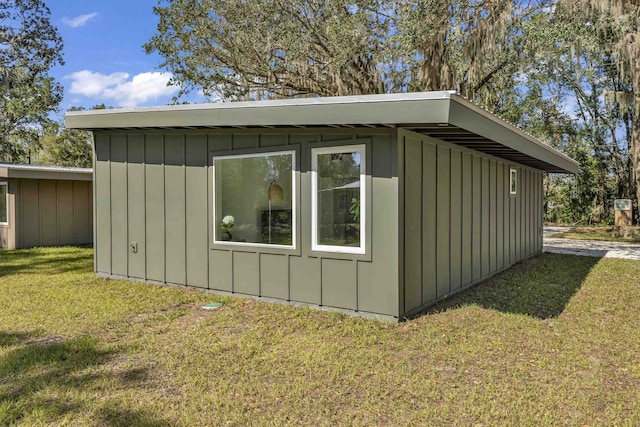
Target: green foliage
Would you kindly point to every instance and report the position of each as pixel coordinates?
(66, 147)
(69, 147)
(274, 48)
(614, 28)
(354, 209)
(29, 46)
(337, 169)
(269, 48)
(559, 99)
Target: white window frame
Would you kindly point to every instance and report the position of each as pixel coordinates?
(513, 179)
(294, 205)
(6, 184)
(339, 149)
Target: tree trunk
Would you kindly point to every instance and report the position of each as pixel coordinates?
(635, 143)
(634, 73)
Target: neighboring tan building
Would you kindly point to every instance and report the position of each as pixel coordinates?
(45, 206)
(379, 205)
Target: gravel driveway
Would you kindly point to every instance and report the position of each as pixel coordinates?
(587, 247)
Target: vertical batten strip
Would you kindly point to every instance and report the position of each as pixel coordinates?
(184, 202)
(493, 245)
(429, 221)
(443, 215)
(144, 201)
(467, 219)
(455, 228)
(402, 232)
(530, 212)
(413, 223)
(126, 185)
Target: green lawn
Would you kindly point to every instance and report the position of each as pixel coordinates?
(553, 341)
(597, 233)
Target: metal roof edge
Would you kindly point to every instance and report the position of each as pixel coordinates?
(352, 110)
(63, 169)
(10, 170)
(534, 147)
(290, 102)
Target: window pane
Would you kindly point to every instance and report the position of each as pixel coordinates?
(256, 194)
(3, 203)
(338, 199)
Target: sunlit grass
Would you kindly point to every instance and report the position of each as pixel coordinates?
(598, 233)
(553, 341)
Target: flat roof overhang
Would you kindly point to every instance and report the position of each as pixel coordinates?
(443, 115)
(8, 170)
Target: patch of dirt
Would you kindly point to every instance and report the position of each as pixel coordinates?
(193, 314)
(593, 229)
(46, 341)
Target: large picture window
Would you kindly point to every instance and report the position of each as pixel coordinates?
(338, 201)
(4, 204)
(254, 199)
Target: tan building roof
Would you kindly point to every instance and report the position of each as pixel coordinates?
(13, 170)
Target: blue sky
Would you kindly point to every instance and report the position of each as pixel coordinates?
(104, 59)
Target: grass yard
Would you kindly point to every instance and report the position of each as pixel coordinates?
(553, 341)
(598, 233)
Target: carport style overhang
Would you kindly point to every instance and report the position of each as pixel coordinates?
(442, 115)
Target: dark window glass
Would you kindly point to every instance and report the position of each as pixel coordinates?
(254, 199)
(338, 199)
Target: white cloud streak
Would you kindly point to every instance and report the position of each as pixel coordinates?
(79, 21)
(118, 87)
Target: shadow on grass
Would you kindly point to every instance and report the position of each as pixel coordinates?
(45, 260)
(50, 377)
(8, 339)
(539, 287)
(116, 416)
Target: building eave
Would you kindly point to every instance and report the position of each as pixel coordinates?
(444, 115)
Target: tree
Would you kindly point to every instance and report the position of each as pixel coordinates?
(472, 46)
(574, 64)
(275, 48)
(618, 24)
(271, 48)
(66, 147)
(29, 46)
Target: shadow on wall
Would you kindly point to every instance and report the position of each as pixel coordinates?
(48, 375)
(540, 287)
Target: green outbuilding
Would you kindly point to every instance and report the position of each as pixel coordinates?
(378, 205)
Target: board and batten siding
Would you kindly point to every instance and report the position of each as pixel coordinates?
(460, 223)
(154, 192)
(53, 212)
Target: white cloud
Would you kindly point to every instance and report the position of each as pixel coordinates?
(79, 21)
(118, 87)
(91, 84)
